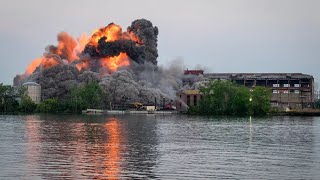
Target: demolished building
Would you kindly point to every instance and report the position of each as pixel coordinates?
(289, 90)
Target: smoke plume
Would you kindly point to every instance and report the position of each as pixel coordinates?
(123, 63)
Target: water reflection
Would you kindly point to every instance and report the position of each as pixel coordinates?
(90, 148)
(250, 131)
(112, 161)
(159, 147)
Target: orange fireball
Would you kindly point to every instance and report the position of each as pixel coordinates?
(112, 32)
(33, 66)
(114, 63)
(70, 49)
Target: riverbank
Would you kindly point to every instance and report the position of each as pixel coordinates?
(304, 112)
(98, 111)
(298, 112)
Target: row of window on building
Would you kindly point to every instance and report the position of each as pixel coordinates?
(285, 91)
(288, 85)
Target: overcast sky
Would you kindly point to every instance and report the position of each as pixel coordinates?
(221, 35)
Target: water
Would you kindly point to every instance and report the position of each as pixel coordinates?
(158, 147)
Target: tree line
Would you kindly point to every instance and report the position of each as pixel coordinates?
(228, 98)
(82, 97)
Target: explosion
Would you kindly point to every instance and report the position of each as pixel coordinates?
(124, 63)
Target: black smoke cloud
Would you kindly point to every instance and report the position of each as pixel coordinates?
(114, 48)
(148, 35)
(141, 51)
(142, 81)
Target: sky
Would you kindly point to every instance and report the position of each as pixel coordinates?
(218, 35)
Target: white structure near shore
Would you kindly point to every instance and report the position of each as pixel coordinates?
(33, 90)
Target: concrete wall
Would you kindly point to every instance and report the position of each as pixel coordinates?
(182, 103)
(34, 92)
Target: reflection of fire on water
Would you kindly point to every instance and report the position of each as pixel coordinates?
(112, 149)
(33, 144)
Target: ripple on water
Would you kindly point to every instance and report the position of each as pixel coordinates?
(158, 147)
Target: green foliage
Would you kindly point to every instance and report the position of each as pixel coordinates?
(49, 106)
(261, 100)
(228, 98)
(83, 97)
(241, 101)
(317, 103)
(27, 105)
(8, 101)
(87, 96)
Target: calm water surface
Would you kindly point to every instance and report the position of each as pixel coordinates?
(159, 147)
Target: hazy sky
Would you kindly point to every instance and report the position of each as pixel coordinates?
(221, 35)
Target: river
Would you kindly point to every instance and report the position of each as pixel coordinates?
(158, 147)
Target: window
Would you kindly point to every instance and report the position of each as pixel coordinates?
(286, 85)
(195, 100)
(286, 92)
(275, 91)
(296, 91)
(275, 85)
(296, 85)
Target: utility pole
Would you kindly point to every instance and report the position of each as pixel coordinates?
(164, 101)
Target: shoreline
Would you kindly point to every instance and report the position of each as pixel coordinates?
(307, 112)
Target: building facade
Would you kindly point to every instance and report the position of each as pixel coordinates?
(187, 98)
(289, 90)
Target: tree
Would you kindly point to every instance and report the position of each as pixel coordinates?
(27, 105)
(8, 102)
(217, 97)
(86, 96)
(260, 100)
(241, 100)
(49, 106)
(228, 98)
(317, 103)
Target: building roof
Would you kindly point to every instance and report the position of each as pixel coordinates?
(191, 92)
(193, 72)
(30, 84)
(258, 76)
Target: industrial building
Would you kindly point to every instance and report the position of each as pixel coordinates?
(289, 90)
(187, 98)
(33, 90)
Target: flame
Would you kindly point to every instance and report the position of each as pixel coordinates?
(114, 63)
(49, 62)
(33, 66)
(46, 62)
(134, 38)
(82, 65)
(70, 49)
(112, 32)
(82, 41)
(66, 46)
